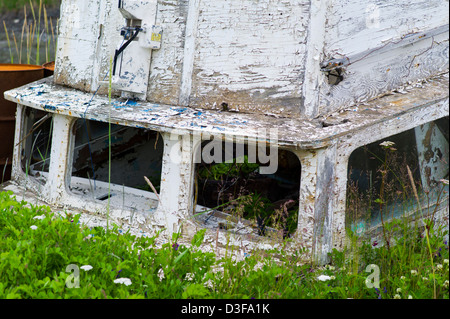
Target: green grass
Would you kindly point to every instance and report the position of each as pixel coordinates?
(34, 261)
(6, 5)
(36, 43)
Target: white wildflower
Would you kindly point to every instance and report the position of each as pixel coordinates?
(189, 276)
(387, 144)
(424, 278)
(330, 267)
(445, 261)
(444, 181)
(40, 217)
(414, 272)
(323, 278)
(161, 274)
(445, 284)
(88, 237)
(332, 278)
(397, 296)
(259, 265)
(403, 278)
(86, 267)
(439, 267)
(399, 290)
(410, 297)
(209, 284)
(124, 281)
(34, 227)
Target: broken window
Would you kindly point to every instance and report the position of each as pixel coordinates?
(36, 141)
(135, 153)
(233, 194)
(379, 184)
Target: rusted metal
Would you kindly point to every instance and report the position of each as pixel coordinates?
(49, 68)
(12, 76)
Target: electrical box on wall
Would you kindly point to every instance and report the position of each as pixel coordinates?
(93, 33)
(131, 65)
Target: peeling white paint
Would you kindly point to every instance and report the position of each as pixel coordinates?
(189, 52)
(261, 57)
(258, 57)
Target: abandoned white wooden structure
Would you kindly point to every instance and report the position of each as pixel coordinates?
(330, 76)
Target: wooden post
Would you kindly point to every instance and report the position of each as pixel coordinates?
(432, 149)
(176, 180)
(60, 158)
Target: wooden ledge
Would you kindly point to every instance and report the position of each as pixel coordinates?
(299, 133)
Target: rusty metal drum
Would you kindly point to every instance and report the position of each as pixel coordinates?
(12, 76)
(49, 68)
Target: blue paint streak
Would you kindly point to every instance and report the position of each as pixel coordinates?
(49, 107)
(180, 109)
(131, 102)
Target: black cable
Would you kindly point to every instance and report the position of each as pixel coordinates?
(124, 46)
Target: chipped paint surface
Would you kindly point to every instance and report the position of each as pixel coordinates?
(433, 150)
(355, 26)
(235, 69)
(374, 37)
(322, 145)
(234, 60)
(314, 55)
(298, 132)
(167, 63)
(78, 33)
(262, 57)
(375, 73)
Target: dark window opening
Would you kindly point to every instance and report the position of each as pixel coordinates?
(36, 141)
(235, 194)
(379, 185)
(135, 153)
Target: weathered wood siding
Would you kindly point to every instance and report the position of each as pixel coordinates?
(77, 43)
(250, 55)
(247, 54)
(263, 56)
(354, 26)
(167, 63)
(374, 36)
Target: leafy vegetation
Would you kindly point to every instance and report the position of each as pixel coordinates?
(228, 169)
(37, 248)
(233, 191)
(45, 255)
